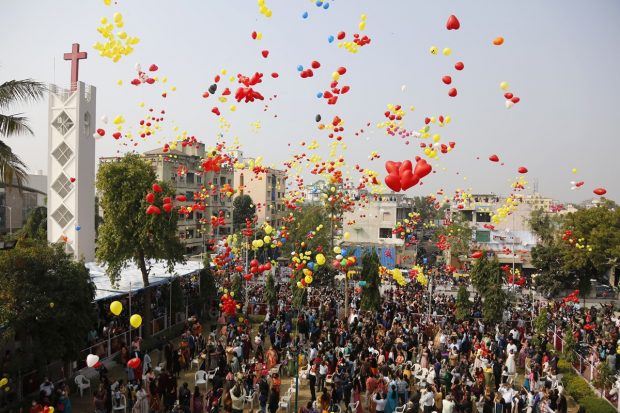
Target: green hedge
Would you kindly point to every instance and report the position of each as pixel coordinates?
(596, 405)
(578, 388)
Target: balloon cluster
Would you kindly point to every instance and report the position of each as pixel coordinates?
(402, 177)
(257, 268)
(417, 273)
(118, 44)
(167, 205)
(228, 304)
(332, 95)
(515, 278)
(511, 99)
(579, 243)
(572, 297)
(144, 77)
(404, 230)
(263, 9)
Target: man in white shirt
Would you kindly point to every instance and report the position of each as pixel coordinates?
(427, 401)
(448, 405)
(508, 394)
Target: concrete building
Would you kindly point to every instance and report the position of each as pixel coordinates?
(267, 190)
(15, 206)
(72, 116)
(182, 169)
(314, 192)
(510, 240)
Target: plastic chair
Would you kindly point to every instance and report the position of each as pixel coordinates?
(210, 375)
(195, 362)
(160, 367)
(249, 398)
(121, 406)
(82, 383)
(200, 378)
(353, 406)
(285, 401)
(399, 409)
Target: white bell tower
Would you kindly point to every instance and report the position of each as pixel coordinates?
(71, 164)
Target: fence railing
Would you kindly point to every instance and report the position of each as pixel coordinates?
(585, 368)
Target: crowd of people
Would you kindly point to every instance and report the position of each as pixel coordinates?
(400, 358)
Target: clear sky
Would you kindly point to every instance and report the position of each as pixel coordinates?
(560, 57)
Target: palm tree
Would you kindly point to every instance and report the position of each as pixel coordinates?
(12, 168)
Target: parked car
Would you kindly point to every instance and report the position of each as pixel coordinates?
(604, 291)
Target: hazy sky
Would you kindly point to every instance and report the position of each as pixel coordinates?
(560, 57)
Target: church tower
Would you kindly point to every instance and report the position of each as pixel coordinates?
(71, 164)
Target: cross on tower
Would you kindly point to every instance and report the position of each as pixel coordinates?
(75, 56)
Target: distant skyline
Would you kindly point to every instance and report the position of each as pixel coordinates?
(561, 58)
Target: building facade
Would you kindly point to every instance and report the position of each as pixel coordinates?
(268, 191)
(15, 206)
(182, 169)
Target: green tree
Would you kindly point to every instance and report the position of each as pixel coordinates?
(45, 302)
(541, 322)
(36, 224)
(243, 209)
(494, 304)
(208, 287)
(568, 348)
(458, 235)
(486, 275)
(303, 228)
(463, 305)
(371, 296)
(270, 295)
(128, 234)
(15, 92)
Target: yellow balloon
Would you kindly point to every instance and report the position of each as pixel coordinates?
(434, 50)
(347, 235)
(447, 51)
(308, 279)
(337, 250)
(135, 320)
(320, 259)
(259, 243)
(116, 307)
(268, 229)
(4, 382)
(267, 239)
(504, 85)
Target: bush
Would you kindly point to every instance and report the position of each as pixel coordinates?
(596, 405)
(577, 387)
(565, 367)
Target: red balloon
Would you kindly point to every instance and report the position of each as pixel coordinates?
(150, 198)
(117, 135)
(600, 191)
(446, 79)
(167, 207)
(247, 277)
(341, 70)
(522, 170)
(393, 182)
(494, 158)
(239, 268)
(453, 23)
(459, 66)
(422, 168)
(452, 92)
(267, 266)
(254, 263)
(315, 64)
(408, 179)
(134, 363)
(153, 210)
(341, 35)
(100, 132)
(254, 270)
(181, 198)
(265, 53)
(392, 167)
(157, 188)
(476, 255)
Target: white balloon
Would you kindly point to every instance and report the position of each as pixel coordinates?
(138, 67)
(403, 88)
(92, 359)
(104, 119)
(509, 104)
(573, 188)
(338, 257)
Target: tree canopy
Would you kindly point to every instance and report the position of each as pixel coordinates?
(127, 233)
(371, 296)
(575, 248)
(306, 220)
(486, 277)
(45, 302)
(243, 209)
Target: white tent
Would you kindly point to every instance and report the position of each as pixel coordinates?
(131, 277)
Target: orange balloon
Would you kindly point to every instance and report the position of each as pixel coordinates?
(498, 41)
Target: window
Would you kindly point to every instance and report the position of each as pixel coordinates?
(63, 123)
(385, 233)
(386, 216)
(190, 177)
(190, 216)
(483, 217)
(189, 195)
(483, 236)
(62, 216)
(190, 233)
(198, 179)
(62, 153)
(62, 185)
